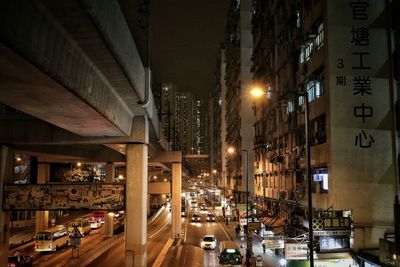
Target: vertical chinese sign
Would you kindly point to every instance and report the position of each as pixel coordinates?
(362, 164)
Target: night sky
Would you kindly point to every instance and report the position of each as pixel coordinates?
(185, 39)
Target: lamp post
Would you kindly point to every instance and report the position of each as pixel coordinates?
(214, 171)
(309, 182)
(256, 92)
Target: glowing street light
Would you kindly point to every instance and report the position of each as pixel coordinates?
(231, 150)
(257, 92)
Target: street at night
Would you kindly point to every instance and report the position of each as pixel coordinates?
(145, 133)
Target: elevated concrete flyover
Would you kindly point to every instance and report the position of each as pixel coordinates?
(72, 84)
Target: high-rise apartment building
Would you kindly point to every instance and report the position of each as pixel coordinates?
(239, 114)
(215, 122)
(183, 120)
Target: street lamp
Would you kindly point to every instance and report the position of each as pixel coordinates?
(257, 92)
(231, 150)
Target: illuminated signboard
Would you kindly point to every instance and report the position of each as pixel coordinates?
(296, 251)
(94, 196)
(331, 224)
(274, 242)
(334, 243)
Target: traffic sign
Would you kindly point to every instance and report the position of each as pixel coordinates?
(75, 238)
(259, 261)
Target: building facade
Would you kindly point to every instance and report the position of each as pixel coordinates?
(305, 51)
(239, 114)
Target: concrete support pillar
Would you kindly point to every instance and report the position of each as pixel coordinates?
(110, 172)
(109, 224)
(136, 205)
(148, 204)
(6, 174)
(42, 216)
(176, 199)
(136, 195)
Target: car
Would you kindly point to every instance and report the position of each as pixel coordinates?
(183, 211)
(196, 218)
(194, 204)
(203, 207)
(208, 242)
(210, 217)
(19, 260)
(95, 223)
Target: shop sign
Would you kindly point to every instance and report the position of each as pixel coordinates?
(330, 243)
(274, 242)
(295, 251)
(332, 233)
(241, 207)
(338, 223)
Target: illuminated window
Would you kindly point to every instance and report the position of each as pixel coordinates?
(308, 51)
(301, 57)
(311, 91)
(319, 88)
(301, 101)
(319, 40)
(298, 20)
(315, 89)
(290, 106)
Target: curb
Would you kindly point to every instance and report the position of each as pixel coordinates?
(223, 226)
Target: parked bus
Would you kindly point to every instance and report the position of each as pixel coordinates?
(83, 225)
(51, 239)
(229, 254)
(99, 215)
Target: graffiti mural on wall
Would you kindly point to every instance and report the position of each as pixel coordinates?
(68, 172)
(64, 196)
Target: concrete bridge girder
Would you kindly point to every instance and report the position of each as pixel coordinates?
(90, 92)
(159, 188)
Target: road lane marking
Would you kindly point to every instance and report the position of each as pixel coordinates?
(184, 259)
(187, 222)
(163, 253)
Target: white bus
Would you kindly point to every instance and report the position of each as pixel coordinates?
(51, 239)
(82, 224)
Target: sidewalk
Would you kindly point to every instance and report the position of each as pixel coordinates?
(268, 257)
